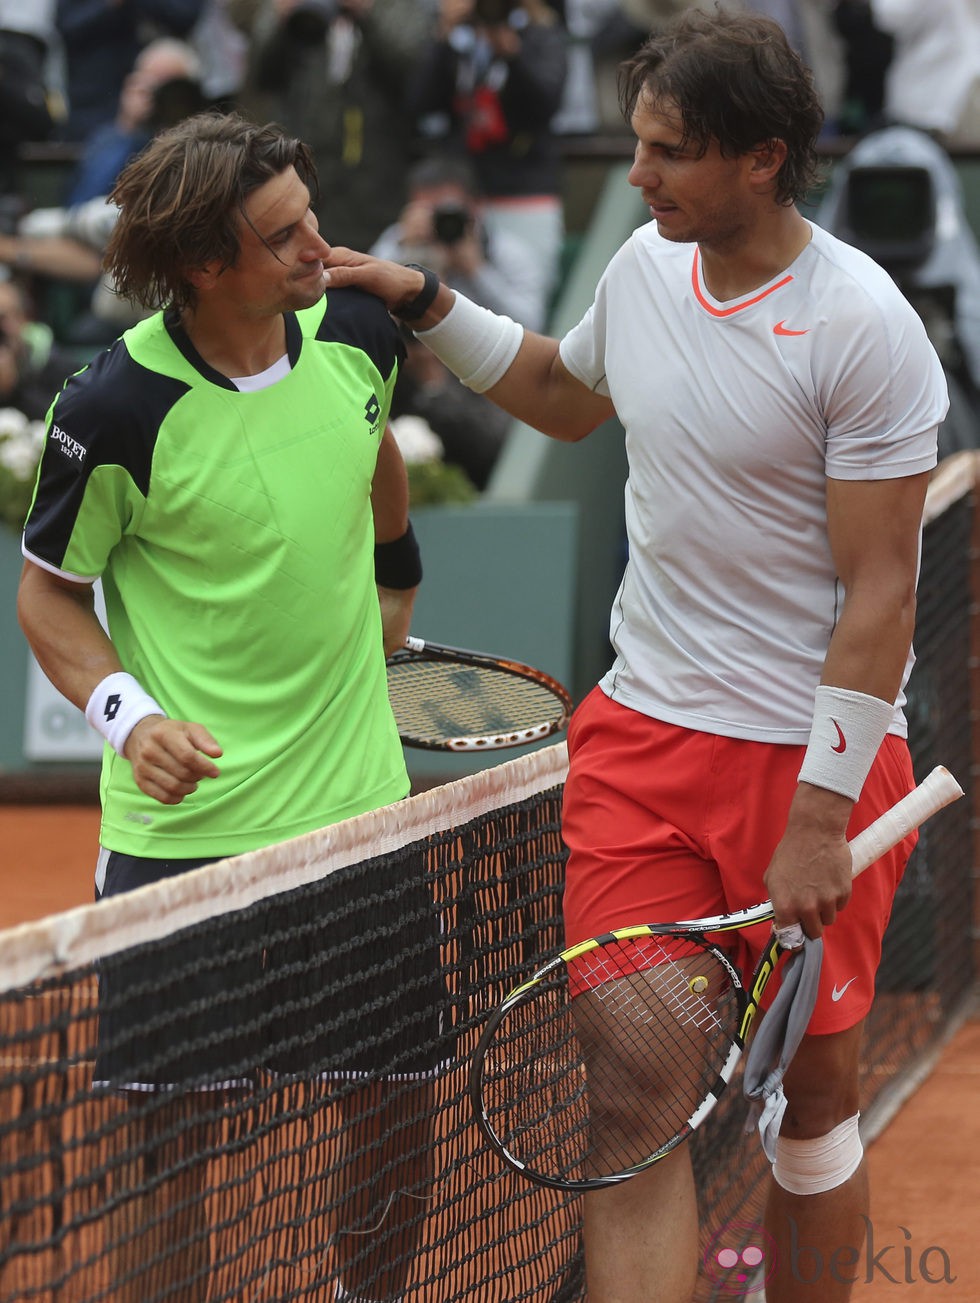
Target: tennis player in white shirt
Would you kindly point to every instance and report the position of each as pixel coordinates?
(780, 402)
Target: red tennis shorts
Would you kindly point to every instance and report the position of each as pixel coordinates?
(664, 823)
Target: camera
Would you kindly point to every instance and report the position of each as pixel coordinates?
(311, 18)
(890, 213)
(451, 222)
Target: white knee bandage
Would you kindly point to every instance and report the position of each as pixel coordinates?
(813, 1166)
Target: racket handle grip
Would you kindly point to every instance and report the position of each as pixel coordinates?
(936, 790)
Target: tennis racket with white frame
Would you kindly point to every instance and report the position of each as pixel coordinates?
(450, 699)
(616, 1050)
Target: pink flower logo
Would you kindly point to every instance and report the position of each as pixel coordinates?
(740, 1256)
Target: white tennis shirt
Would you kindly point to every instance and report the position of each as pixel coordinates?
(735, 415)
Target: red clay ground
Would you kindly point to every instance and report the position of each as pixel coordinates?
(47, 859)
(925, 1166)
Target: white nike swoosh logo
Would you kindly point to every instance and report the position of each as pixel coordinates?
(837, 992)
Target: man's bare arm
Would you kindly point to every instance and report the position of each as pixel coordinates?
(874, 536)
(59, 256)
(59, 621)
(537, 387)
(168, 756)
(389, 502)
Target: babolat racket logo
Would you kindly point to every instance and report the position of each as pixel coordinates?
(372, 410)
(66, 445)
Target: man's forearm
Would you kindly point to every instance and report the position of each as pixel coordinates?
(57, 257)
(65, 635)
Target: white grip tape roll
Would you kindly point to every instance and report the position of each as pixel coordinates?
(475, 344)
(937, 790)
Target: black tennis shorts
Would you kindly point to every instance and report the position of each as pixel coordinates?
(340, 979)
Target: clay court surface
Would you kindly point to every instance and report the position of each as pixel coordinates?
(925, 1165)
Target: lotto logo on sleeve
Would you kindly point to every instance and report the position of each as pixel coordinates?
(372, 410)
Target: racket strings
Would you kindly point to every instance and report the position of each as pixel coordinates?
(584, 1088)
(434, 699)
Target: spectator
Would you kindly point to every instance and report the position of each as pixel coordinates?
(867, 53)
(588, 23)
(490, 82)
(29, 106)
(222, 47)
(162, 87)
(334, 72)
(102, 39)
(32, 366)
(66, 245)
(935, 64)
(441, 227)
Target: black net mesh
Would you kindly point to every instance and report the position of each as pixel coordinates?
(309, 1121)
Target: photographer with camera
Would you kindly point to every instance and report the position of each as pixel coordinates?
(488, 85)
(333, 72)
(162, 87)
(441, 227)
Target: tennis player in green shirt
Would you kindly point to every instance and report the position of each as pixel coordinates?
(226, 470)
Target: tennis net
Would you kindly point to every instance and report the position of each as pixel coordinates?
(307, 1014)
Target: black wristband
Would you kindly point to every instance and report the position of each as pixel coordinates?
(419, 306)
(398, 564)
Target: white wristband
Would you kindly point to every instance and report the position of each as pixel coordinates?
(476, 344)
(117, 705)
(848, 728)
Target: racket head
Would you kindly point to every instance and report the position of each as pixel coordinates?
(449, 699)
(609, 1057)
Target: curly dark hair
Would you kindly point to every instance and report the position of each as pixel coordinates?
(734, 78)
(182, 202)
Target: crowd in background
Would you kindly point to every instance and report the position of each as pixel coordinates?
(438, 129)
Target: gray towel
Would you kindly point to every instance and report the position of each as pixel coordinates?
(776, 1041)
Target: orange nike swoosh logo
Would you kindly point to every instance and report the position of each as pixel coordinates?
(841, 746)
(780, 329)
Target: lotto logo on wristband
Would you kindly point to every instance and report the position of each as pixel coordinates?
(115, 715)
